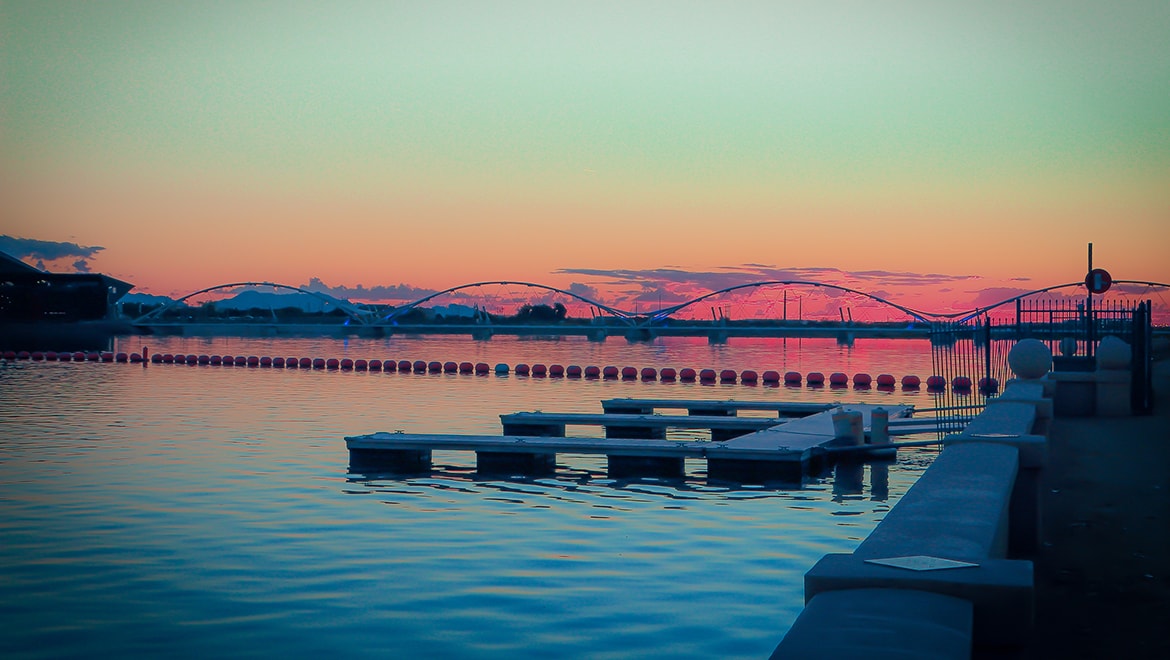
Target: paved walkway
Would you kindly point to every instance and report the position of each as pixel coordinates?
(1103, 573)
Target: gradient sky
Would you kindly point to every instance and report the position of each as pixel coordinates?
(439, 143)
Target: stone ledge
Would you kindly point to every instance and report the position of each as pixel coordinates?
(880, 624)
(1001, 590)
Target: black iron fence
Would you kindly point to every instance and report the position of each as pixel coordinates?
(969, 358)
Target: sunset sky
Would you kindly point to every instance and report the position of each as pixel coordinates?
(930, 150)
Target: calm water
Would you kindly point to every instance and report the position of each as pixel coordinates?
(208, 511)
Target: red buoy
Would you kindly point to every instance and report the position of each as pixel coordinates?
(167, 358)
(120, 357)
(573, 371)
(332, 363)
(450, 367)
(307, 363)
(107, 357)
(213, 360)
(707, 375)
(862, 380)
(792, 377)
(521, 369)
(592, 372)
(885, 380)
(668, 373)
(134, 357)
(434, 366)
(9, 355)
(156, 358)
(36, 356)
(987, 384)
(910, 382)
(727, 376)
(375, 365)
(649, 373)
(278, 362)
(51, 356)
(609, 372)
(961, 383)
(839, 379)
(466, 367)
(936, 383)
(539, 370)
(556, 370)
(629, 373)
(686, 374)
(192, 359)
(748, 377)
(265, 361)
(347, 364)
(482, 368)
(93, 356)
(318, 363)
(242, 361)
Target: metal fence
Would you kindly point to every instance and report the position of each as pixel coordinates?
(969, 358)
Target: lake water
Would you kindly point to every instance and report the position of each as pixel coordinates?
(209, 511)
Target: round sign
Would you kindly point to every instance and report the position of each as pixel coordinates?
(1098, 280)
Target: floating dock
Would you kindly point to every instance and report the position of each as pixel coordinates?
(781, 451)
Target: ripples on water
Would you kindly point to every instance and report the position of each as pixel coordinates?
(203, 511)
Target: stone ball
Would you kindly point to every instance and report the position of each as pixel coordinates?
(1113, 353)
(1030, 358)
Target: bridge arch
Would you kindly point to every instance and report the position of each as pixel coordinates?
(399, 311)
(668, 311)
(967, 315)
(355, 313)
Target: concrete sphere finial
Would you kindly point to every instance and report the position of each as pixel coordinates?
(1113, 353)
(1030, 359)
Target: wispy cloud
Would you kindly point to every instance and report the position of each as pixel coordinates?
(49, 251)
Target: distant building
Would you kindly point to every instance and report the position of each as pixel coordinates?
(38, 306)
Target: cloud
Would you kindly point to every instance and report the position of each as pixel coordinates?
(49, 251)
(583, 290)
(401, 292)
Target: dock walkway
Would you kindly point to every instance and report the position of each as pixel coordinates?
(780, 452)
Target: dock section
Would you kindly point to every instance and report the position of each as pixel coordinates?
(780, 452)
(729, 407)
(632, 426)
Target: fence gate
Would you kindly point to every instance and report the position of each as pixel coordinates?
(969, 366)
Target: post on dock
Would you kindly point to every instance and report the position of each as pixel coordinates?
(879, 427)
(848, 428)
